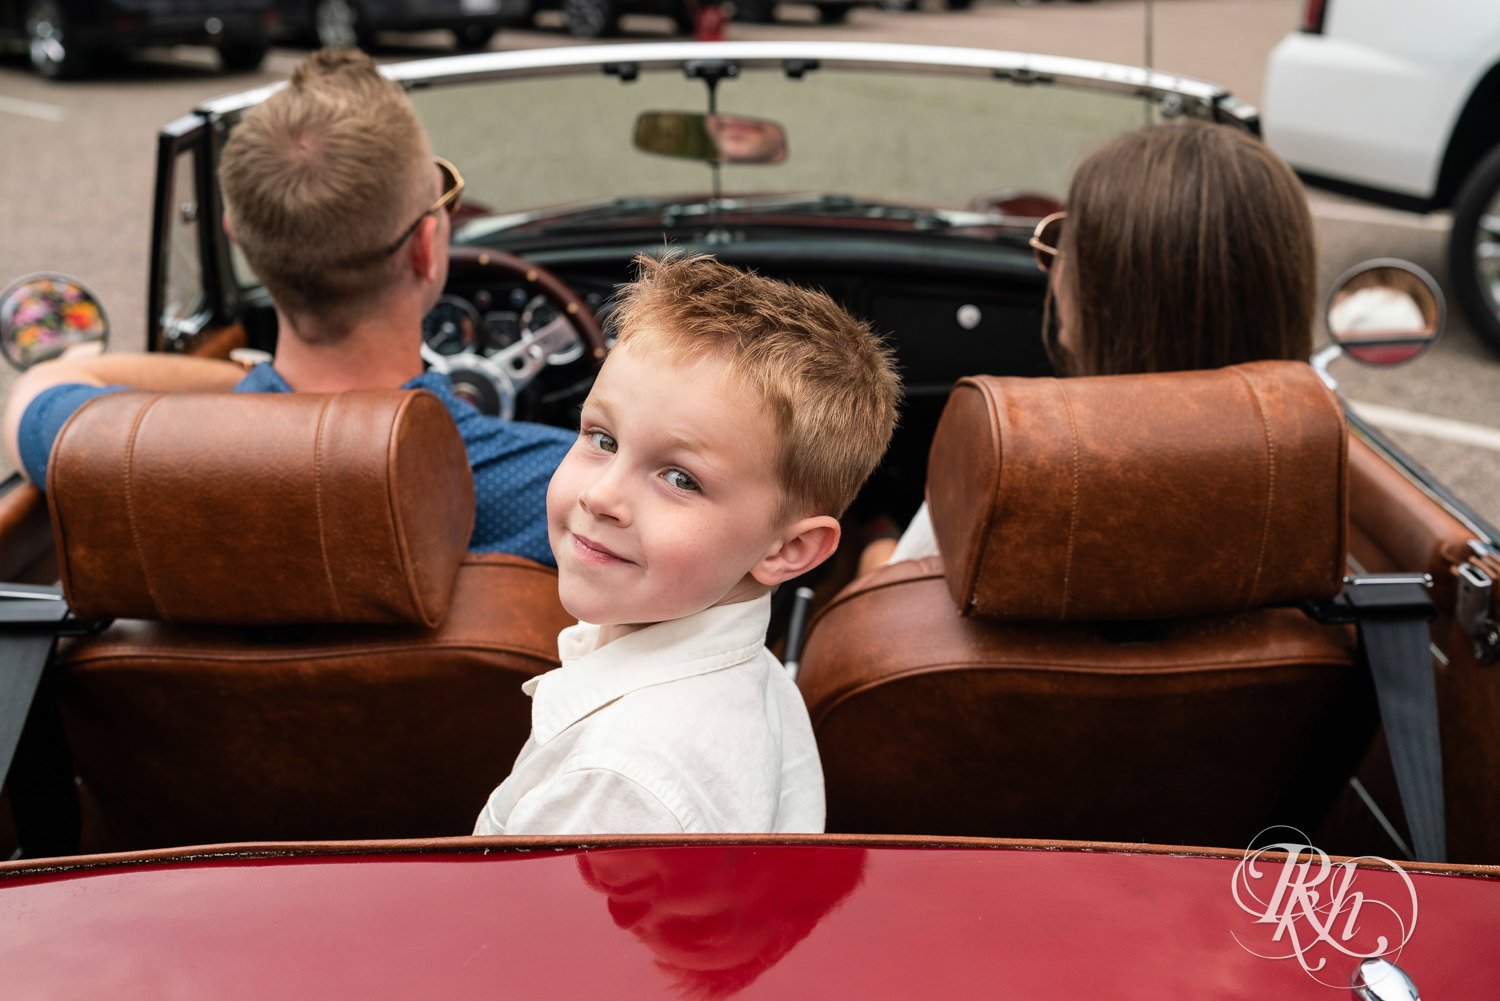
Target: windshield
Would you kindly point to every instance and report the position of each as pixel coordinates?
(920, 139)
(932, 148)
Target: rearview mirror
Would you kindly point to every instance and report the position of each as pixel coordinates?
(42, 316)
(1385, 312)
(734, 139)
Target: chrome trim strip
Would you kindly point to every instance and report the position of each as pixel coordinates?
(590, 58)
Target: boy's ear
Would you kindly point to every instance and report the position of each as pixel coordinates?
(805, 544)
(228, 229)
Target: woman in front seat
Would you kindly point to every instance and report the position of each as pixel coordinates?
(1184, 246)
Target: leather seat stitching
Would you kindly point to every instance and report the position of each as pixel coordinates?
(1072, 507)
(318, 503)
(398, 543)
(135, 534)
(1265, 530)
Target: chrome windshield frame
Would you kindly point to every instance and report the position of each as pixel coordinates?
(1191, 96)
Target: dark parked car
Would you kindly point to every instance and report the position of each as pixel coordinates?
(829, 11)
(350, 23)
(601, 18)
(65, 37)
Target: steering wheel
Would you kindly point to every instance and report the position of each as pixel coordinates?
(492, 382)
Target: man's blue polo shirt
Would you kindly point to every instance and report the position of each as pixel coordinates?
(512, 460)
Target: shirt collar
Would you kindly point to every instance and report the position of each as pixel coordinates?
(264, 378)
(438, 385)
(591, 678)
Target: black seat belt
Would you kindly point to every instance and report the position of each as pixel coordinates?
(35, 765)
(1391, 612)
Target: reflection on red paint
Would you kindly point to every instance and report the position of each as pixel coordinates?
(717, 919)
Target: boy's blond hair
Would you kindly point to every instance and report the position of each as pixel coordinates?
(319, 179)
(828, 382)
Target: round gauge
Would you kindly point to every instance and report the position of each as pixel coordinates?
(451, 327)
(538, 313)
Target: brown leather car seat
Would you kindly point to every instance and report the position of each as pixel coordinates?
(1095, 656)
(301, 648)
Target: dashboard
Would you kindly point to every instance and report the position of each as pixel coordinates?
(486, 320)
(946, 315)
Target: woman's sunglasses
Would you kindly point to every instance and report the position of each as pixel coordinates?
(1046, 238)
(450, 199)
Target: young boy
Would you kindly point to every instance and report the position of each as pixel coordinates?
(731, 425)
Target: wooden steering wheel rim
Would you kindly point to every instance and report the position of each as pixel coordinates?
(473, 263)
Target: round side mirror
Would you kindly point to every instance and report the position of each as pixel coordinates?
(42, 316)
(1385, 312)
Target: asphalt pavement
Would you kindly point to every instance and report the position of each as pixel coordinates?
(76, 184)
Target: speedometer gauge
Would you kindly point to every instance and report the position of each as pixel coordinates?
(451, 327)
(538, 313)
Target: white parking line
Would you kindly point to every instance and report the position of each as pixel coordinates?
(32, 109)
(1396, 419)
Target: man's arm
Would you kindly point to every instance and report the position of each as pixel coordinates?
(143, 371)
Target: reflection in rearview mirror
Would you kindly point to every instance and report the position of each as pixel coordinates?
(1385, 312)
(733, 139)
(44, 315)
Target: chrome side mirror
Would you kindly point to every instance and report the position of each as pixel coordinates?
(41, 316)
(1382, 312)
(733, 139)
(1378, 979)
(1385, 312)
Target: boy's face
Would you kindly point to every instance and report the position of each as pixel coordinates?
(669, 498)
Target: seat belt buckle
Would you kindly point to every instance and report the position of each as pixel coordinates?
(27, 605)
(1375, 596)
(1393, 595)
(26, 608)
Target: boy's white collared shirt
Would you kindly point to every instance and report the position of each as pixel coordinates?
(689, 725)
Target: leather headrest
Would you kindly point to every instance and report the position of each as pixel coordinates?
(261, 508)
(1140, 496)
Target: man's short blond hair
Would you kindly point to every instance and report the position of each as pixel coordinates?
(319, 179)
(828, 381)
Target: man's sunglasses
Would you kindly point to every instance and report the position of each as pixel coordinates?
(1046, 238)
(450, 199)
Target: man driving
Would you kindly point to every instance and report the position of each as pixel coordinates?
(333, 194)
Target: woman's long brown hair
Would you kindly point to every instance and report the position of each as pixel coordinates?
(1187, 246)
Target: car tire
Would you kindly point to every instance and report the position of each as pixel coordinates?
(1474, 248)
(959, 4)
(591, 18)
(336, 25)
(834, 13)
(755, 11)
(242, 57)
(52, 53)
(898, 4)
(473, 37)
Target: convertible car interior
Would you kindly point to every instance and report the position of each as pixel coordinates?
(1114, 644)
